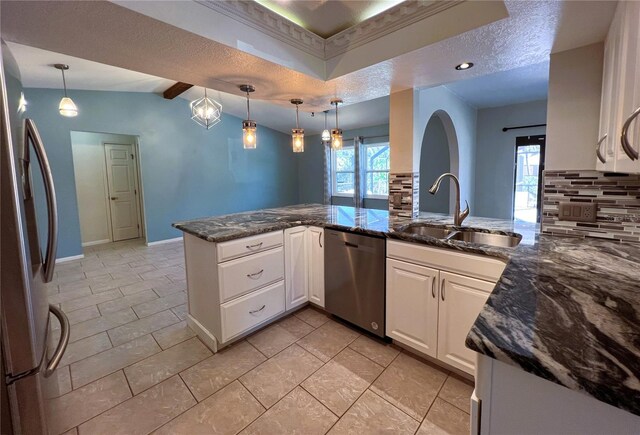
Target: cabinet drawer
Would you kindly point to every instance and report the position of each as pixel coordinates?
(242, 314)
(245, 274)
(248, 245)
(477, 266)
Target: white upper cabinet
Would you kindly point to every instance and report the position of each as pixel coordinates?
(295, 266)
(621, 93)
(315, 250)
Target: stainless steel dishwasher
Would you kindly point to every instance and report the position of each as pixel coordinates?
(354, 277)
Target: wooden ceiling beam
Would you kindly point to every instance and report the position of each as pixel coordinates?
(176, 90)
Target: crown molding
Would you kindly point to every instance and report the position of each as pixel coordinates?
(389, 21)
(266, 21)
(260, 18)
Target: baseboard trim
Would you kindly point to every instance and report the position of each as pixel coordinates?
(203, 334)
(73, 257)
(96, 242)
(162, 242)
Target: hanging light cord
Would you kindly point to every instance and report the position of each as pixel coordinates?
(248, 110)
(325, 119)
(337, 116)
(64, 83)
(297, 123)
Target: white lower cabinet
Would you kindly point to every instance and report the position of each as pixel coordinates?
(461, 299)
(295, 266)
(315, 264)
(412, 305)
(246, 312)
(432, 310)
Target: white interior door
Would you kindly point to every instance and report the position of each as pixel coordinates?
(123, 201)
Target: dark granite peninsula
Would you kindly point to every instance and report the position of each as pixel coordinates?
(566, 310)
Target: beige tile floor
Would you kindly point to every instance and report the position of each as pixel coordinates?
(134, 367)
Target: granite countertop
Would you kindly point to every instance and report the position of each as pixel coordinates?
(565, 309)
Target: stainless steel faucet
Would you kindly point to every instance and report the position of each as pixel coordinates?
(458, 217)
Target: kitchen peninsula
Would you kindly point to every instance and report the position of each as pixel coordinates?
(564, 311)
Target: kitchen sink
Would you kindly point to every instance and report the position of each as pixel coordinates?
(424, 230)
(468, 235)
(492, 239)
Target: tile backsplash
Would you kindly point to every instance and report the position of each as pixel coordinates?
(617, 197)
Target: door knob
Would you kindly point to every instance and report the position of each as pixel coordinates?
(113, 198)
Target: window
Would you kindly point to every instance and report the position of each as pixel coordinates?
(376, 170)
(343, 176)
(529, 165)
(373, 171)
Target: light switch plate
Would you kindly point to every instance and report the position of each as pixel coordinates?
(577, 211)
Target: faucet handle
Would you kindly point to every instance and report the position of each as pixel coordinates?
(464, 213)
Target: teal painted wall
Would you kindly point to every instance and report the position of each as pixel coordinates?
(434, 161)
(311, 167)
(495, 154)
(187, 171)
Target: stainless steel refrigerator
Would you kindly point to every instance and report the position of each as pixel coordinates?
(26, 267)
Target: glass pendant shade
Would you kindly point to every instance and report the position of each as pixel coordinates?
(336, 133)
(326, 134)
(68, 108)
(206, 111)
(297, 134)
(249, 137)
(297, 140)
(336, 138)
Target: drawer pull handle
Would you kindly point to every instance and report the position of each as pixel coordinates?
(442, 290)
(258, 310)
(255, 275)
(256, 246)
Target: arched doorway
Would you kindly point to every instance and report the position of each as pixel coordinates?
(438, 154)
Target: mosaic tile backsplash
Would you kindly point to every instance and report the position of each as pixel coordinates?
(617, 197)
(404, 194)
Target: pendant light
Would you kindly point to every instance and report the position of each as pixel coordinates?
(297, 134)
(206, 111)
(336, 133)
(249, 138)
(326, 134)
(67, 107)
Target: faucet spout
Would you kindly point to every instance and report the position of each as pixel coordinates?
(458, 217)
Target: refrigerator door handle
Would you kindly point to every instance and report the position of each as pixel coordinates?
(62, 344)
(48, 264)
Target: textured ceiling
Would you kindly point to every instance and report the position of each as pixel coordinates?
(327, 17)
(113, 35)
(36, 72)
(515, 86)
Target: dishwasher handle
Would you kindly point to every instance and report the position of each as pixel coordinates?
(351, 245)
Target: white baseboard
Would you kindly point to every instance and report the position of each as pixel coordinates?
(73, 257)
(162, 242)
(202, 333)
(96, 242)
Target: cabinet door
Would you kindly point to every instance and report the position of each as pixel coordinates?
(461, 299)
(315, 249)
(612, 102)
(412, 305)
(295, 266)
(605, 135)
(629, 95)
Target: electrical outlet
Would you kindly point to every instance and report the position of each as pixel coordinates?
(577, 211)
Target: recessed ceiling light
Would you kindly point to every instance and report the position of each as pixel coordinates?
(464, 65)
